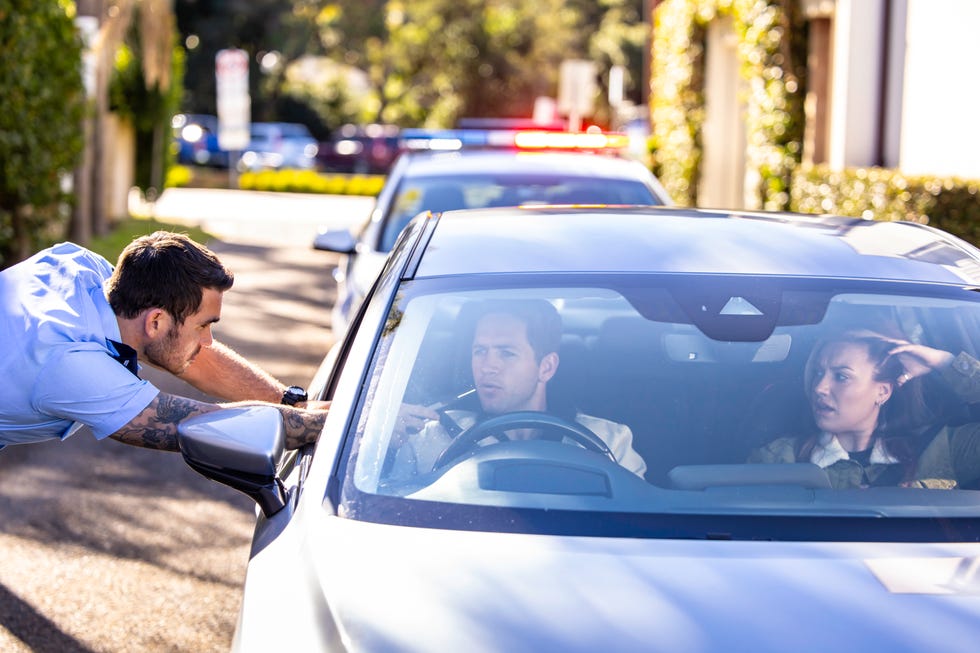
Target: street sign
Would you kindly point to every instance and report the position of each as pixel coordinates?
(233, 100)
(576, 90)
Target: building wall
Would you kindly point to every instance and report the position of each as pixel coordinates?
(940, 131)
(856, 82)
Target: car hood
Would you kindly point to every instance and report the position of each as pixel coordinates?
(369, 587)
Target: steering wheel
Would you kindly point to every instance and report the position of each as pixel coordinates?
(495, 426)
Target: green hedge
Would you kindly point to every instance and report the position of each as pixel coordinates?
(309, 181)
(948, 203)
(772, 62)
(41, 135)
(286, 181)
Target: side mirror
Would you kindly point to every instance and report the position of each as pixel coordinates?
(239, 447)
(340, 241)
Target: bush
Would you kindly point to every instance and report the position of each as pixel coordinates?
(309, 181)
(949, 203)
(178, 176)
(41, 135)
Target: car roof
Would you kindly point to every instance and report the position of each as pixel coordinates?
(678, 240)
(561, 164)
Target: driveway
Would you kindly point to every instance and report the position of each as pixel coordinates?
(110, 548)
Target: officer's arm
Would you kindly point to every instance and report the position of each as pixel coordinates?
(221, 372)
(155, 427)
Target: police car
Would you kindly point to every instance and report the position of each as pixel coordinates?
(441, 170)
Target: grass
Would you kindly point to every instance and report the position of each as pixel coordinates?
(125, 231)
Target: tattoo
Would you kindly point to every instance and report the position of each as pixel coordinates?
(302, 426)
(156, 426)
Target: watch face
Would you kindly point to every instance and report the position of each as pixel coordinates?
(293, 395)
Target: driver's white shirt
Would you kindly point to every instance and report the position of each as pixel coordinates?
(420, 451)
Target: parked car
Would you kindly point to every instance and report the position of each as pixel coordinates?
(279, 145)
(196, 137)
(456, 169)
(368, 149)
(698, 331)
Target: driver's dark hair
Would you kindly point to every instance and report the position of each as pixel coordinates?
(165, 270)
(539, 316)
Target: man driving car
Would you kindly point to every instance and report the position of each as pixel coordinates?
(514, 355)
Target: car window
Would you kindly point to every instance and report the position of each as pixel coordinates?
(295, 131)
(705, 383)
(436, 194)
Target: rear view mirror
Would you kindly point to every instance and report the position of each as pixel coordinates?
(239, 447)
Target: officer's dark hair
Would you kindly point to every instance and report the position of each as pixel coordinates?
(165, 270)
(539, 316)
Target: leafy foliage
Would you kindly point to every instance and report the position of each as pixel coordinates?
(422, 61)
(41, 122)
(309, 181)
(148, 107)
(486, 59)
(949, 203)
(772, 63)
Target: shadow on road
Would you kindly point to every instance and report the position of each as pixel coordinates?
(36, 631)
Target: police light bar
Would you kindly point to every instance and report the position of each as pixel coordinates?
(441, 139)
(457, 139)
(570, 140)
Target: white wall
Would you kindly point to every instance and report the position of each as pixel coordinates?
(940, 130)
(723, 133)
(855, 84)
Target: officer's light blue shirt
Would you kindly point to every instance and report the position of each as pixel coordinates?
(56, 361)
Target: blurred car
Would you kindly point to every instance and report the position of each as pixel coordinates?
(369, 149)
(196, 136)
(279, 145)
(678, 323)
(443, 170)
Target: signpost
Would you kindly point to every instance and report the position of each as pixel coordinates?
(576, 90)
(234, 105)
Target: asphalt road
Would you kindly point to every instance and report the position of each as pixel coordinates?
(111, 548)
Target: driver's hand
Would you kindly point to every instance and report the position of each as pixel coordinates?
(411, 419)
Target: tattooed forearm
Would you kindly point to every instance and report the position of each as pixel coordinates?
(156, 426)
(302, 426)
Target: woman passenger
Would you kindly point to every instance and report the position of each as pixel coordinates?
(865, 394)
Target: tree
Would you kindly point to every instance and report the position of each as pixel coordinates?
(146, 87)
(273, 32)
(620, 39)
(425, 61)
(41, 121)
(453, 58)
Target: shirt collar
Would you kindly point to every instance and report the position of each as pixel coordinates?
(124, 355)
(828, 451)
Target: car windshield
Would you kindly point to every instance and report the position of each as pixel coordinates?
(436, 194)
(667, 398)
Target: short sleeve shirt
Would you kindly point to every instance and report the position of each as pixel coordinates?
(56, 350)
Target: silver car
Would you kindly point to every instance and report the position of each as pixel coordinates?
(279, 145)
(650, 500)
